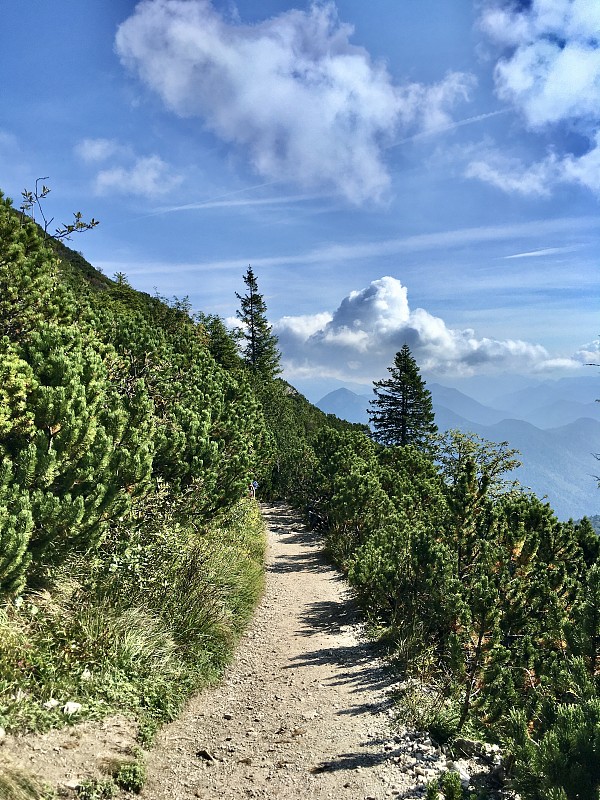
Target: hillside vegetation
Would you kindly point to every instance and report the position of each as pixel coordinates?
(557, 440)
(131, 554)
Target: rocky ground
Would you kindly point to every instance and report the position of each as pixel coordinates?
(302, 712)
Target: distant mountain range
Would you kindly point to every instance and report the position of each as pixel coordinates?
(554, 424)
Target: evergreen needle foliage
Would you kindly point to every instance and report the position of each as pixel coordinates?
(402, 412)
(131, 556)
(260, 352)
(490, 604)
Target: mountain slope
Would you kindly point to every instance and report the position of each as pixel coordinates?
(346, 405)
(463, 405)
(558, 462)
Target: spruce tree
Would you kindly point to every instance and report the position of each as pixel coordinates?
(402, 412)
(260, 352)
(221, 343)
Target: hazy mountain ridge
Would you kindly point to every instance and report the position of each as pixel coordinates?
(557, 454)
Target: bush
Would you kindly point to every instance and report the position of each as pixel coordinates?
(97, 789)
(448, 785)
(565, 763)
(131, 776)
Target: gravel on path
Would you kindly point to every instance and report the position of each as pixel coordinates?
(302, 711)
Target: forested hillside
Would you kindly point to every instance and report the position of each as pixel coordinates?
(131, 554)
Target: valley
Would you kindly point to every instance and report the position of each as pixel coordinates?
(555, 425)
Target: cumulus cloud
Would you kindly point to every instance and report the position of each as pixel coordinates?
(304, 103)
(358, 341)
(552, 68)
(550, 72)
(589, 353)
(148, 176)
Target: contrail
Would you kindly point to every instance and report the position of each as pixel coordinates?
(211, 200)
(224, 203)
(450, 127)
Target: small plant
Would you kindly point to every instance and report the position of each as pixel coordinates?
(95, 789)
(147, 730)
(131, 776)
(443, 724)
(448, 787)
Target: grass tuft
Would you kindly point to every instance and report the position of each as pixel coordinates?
(155, 616)
(18, 785)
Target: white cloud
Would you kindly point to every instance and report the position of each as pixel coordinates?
(589, 353)
(305, 325)
(511, 175)
(550, 72)
(358, 341)
(149, 176)
(306, 105)
(585, 170)
(95, 150)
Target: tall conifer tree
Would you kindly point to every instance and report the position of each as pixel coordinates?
(402, 411)
(260, 352)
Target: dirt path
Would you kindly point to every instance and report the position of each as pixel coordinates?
(301, 712)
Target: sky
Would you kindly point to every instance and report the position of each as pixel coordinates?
(400, 171)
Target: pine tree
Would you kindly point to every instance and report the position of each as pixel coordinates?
(221, 343)
(402, 410)
(260, 353)
(584, 630)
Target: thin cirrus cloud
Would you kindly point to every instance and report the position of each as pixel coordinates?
(305, 105)
(549, 71)
(359, 339)
(546, 251)
(346, 252)
(146, 176)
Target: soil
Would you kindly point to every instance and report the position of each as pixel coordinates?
(302, 711)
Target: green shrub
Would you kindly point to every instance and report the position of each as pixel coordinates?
(96, 789)
(564, 763)
(131, 776)
(448, 785)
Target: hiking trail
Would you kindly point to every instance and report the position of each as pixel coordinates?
(302, 710)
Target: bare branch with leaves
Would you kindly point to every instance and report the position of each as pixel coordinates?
(32, 204)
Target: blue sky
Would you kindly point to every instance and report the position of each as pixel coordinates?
(394, 171)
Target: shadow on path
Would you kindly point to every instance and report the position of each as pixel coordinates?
(354, 664)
